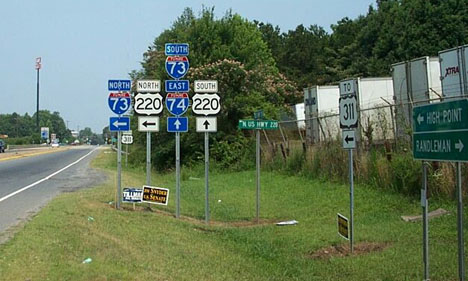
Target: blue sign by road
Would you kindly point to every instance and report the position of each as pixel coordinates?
(119, 124)
(177, 67)
(176, 49)
(173, 86)
(177, 103)
(119, 85)
(119, 103)
(177, 124)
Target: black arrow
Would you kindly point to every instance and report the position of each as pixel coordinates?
(146, 123)
(348, 139)
(206, 123)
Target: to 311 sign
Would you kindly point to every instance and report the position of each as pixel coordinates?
(348, 104)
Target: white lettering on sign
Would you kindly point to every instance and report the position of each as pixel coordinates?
(177, 49)
(452, 115)
(117, 85)
(206, 86)
(148, 86)
(435, 146)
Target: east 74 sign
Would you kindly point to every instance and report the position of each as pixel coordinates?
(348, 111)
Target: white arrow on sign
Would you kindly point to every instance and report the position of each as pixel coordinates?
(177, 124)
(117, 124)
(420, 119)
(459, 145)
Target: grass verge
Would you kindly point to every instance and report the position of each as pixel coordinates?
(149, 245)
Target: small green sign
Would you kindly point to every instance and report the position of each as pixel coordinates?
(441, 146)
(258, 124)
(451, 115)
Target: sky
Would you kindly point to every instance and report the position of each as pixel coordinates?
(85, 43)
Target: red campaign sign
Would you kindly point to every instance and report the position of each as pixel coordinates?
(119, 95)
(177, 95)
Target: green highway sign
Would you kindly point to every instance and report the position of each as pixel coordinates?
(451, 115)
(444, 146)
(440, 131)
(258, 124)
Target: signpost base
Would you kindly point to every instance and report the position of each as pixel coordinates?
(119, 169)
(258, 173)
(207, 169)
(177, 136)
(461, 243)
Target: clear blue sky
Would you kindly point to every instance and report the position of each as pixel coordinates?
(84, 43)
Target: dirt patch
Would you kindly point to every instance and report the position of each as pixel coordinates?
(342, 250)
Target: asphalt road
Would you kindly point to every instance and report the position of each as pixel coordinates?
(27, 184)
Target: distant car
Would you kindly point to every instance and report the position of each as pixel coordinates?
(2, 146)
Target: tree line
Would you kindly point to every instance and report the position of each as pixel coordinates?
(259, 67)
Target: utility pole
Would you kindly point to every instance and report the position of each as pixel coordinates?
(38, 67)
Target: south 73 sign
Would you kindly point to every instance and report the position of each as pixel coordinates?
(348, 111)
(177, 67)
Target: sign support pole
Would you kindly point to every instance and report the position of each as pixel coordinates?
(119, 168)
(351, 201)
(207, 169)
(148, 158)
(126, 155)
(461, 244)
(424, 204)
(177, 134)
(258, 173)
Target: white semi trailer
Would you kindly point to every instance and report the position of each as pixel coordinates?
(322, 110)
(415, 82)
(454, 72)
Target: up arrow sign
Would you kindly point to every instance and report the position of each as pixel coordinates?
(459, 145)
(177, 124)
(206, 124)
(420, 119)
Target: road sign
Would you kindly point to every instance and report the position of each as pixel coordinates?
(119, 124)
(155, 195)
(348, 87)
(205, 86)
(177, 67)
(148, 86)
(44, 132)
(148, 124)
(258, 115)
(258, 124)
(132, 195)
(177, 124)
(447, 116)
(343, 229)
(349, 139)
(206, 104)
(440, 131)
(173, 86)
(148, 104)
(119, 103)
(206, 124)
(119, 85)
(127, 139)
(348, 111)
(176, 49)
(177, 103)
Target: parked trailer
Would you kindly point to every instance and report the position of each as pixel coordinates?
(321, 113)
(415, 82)
(454, 71)
(375, 96)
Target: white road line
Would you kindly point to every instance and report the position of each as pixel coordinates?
(46, 178)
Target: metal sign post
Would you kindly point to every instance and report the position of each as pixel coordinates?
(461, 250)
(119, 168)
(425, 208)
(351, 201)
(207, 170)
(349, 117)
(257, 131)
(148, 158)
(177, 136)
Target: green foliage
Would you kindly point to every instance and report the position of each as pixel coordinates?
(406, 174)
